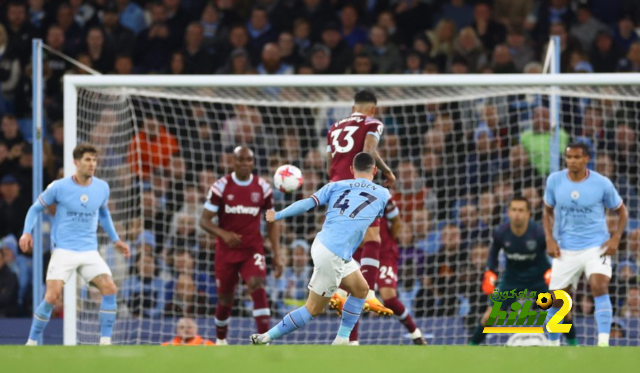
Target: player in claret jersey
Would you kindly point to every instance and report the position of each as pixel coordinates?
(387, 281)
(360, 132)
(238, 200)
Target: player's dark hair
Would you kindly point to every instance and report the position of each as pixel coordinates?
(365, 97)
(81, 149)
(363, 162)
(521, 199)
(580, 145)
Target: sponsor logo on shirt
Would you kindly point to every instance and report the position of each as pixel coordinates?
(255, 197)
(241, 210)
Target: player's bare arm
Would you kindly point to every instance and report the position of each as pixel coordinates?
(612, 243)
(396, 227)
(371, 147)
(230, 238)
(273, 230)
(329, 159)
(552, 246)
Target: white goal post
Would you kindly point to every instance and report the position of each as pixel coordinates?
(416, 90)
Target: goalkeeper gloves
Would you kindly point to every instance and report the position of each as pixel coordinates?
(489, 282)
(547, 276)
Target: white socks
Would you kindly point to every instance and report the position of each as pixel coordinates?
(105, 341)
(555, 343)
(31, 342)
(603, 339)
(340, 341)
(221, 342)
(416, 334)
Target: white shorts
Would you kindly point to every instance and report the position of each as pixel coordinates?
(89, 265)
(567, 269)
(328, 270)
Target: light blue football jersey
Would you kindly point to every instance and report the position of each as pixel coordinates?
(579, 209)
(352, 205)
(76, 221)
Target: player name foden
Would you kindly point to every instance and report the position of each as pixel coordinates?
(362, 185)
(243, 210)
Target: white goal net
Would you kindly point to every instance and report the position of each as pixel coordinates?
(459, 154)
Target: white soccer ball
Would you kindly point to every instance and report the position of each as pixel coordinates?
(288, 178)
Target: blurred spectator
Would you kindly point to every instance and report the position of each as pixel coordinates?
(341, 55)
(490, 32)
(513, 12)
(119, 37)
(482, 163)
(587, 27)
(214, 23)
(472, 229)
(442, 267)
(278, 12)
(152, 147)
(288, 49)
(398, 35)
(442, 39)
(102, 58)
(536, 141)
(363, 64)
(123, 65)
(154, 44)
(316, 14)
(10, 71)
(385, 55)
(83, 12)
(19, 30)
(13, 207)
(502, 60)
(523, 174)
(457, 11)
(353, 34)
(320, 59)
(260, 31)
(297, 275)
(626, 153)
(410, 193)
(143, 291)
(131, 16)
(10, 135)
(238, 63)
(605, 54)
(568, 44)
(73, 35)
(631, 308)
(413, 63)
(548, 13)
(631, 64)
(301, 35)
(470, 48)
(521, 52)
(190, 292)
(8, 289)
(57, 65)
(187, 334)
(625, 34)
(177, 19)
(197, 59)
(271, 63)
(38, 14)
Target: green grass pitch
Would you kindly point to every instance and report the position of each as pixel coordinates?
(311, 359)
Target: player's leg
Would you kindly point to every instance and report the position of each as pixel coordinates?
(389, 296)
(565, 273)
(327, 273)
(226, 280)
(108, 307)
(96, 271)
(340, 296)
(254, 274)
(42, 313)
(357, 286)
(62, 265)
(478, 335)
(370, 265)
(598, 271)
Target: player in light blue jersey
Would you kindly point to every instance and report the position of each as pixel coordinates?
(352, 206)
(576, 200)
(81, 201)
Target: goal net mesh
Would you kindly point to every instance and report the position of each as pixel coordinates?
(459, 155)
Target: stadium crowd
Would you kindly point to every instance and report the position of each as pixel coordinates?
(457, 164)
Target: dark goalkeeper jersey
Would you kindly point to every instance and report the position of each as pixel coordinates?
(526, 255)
